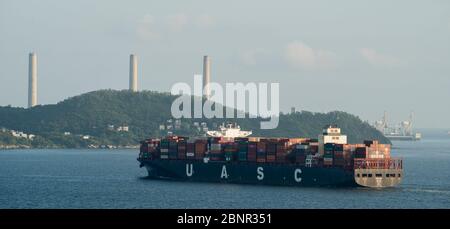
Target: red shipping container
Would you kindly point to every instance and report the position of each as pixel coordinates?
(200, 149)
(251, 156)
(261, 160)
(270, 158)
(181, 150)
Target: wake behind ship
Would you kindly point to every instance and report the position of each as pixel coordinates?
(233, 157)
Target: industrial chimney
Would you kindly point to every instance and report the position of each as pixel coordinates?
(133, 73)
(32, 80)
(206, 77)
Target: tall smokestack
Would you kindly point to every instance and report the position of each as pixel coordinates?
(206, 77)
(32, 80)
(133, 73)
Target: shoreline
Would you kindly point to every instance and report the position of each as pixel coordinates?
(23, 147)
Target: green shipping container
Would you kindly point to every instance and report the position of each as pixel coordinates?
(242, 156)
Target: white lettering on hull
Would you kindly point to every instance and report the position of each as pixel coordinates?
(189, 170)
(260, 171)
(297, 174)
(224, 172)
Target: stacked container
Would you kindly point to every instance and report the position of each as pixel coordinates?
(190, 150)
(242, 149)
(164, 149)
(149, 149)
(360, 152)
(378, 151)
(251, 153)
(200, 149)
(313, 148)
(173, 149)
(338, 155)
(271, 150)
(230, 151)
(281, 150)
(261, 151)
(328, 154)
(215, 149)
(182, 147)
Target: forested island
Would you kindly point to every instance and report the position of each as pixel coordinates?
(117, 119)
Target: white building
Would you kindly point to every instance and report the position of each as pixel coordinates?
(19, 134)
(123, 128)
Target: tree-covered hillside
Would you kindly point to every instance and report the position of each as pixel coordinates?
(99, 114)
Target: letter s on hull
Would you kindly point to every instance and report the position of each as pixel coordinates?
(260, 171)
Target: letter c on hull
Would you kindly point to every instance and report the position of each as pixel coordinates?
(297, 175)
(189, 170)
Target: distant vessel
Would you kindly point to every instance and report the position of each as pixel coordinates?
(326, 161)
(403, 131)
(229, 130)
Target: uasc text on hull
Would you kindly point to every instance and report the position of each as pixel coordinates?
(248, 173)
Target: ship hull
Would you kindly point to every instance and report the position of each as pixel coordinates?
(249, 173)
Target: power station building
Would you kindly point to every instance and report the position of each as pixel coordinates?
(206, 77)
(133, 73)
(32, 80)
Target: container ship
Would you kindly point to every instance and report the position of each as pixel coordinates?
(231, 156)
(400, 132)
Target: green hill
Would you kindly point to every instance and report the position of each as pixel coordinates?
(99, 114)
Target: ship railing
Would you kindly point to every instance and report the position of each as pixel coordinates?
(388, 163)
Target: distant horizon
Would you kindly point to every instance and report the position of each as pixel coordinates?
(326, 56)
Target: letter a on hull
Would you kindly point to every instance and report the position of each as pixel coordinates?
(224, 172)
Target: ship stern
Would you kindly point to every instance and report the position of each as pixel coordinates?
(378, 173)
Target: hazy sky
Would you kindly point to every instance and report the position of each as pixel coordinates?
(362, 57)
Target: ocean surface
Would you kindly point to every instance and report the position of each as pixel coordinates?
(113, 179)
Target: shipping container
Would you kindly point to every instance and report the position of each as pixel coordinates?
(314, 149)
(217, 147)
(327, 161)
(200, 149)
(251, 153)
(242, 156)
(190, 150)
(251, 157)
(182, 150)
(261, 160)
(328, 146)
(261, 147)
(281, 158)
(360, 152)
(270, 158)
(271, 147)
(338, 147)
